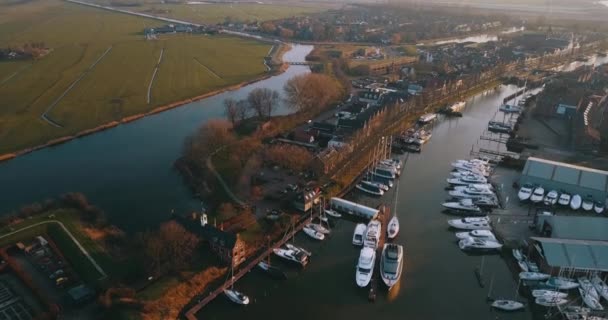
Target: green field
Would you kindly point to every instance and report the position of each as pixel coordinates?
(117, 86)
(217, 13)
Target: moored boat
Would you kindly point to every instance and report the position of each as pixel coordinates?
(587, 287)
(600, 286)
(517, 254)
(507, 305)
(548, 293)
(533, 276)
(550, 302)
(551, 198)
(476, 234)
(372, 234)
(587, 204)
(236, 297)
(292, 255)
(508, 108)
(476, 244)
(375, 184)
(590, 300)
(298, 249)
(359, 234)
(372, 190)
(525, 192)
(272, 270)
(333, 213)
(576, 202)
(391, 264)
(318, 228)
(561, 283)
(598, 207)
(537, 195)
(564, 199)
(469, 225)
(313, 233)
(427, 118)
(393, 227)
(365, 266)
(465, 205)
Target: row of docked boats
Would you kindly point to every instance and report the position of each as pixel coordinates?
(536, 194)
(380, 177)
(471, 191)
(475, 234)
(553, 291)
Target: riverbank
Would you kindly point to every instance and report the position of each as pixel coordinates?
(275, 70)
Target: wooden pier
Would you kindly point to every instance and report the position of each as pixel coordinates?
(384, 217)
(248, 265)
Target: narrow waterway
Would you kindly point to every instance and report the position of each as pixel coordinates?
(438, 280)
(482, 38)
(128, 170)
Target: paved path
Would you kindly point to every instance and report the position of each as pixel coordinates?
(82, 249)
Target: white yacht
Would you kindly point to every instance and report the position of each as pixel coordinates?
(467, 166)
(462, 205)
(467, 180)
(548, 293)
(550, 302)
(600, 286)
(236, 297)
(318, 228)
(587, 204)
(478, 244)
(561, 283)
(456, 107)
(292, 255)
(533, 276)
(507, 305)
(373, 190)
(314, 233)
(464, 173)
(551, 198)
(476, 234)
(576, 202)
(372, 234)
(525, 192)
(598, 207)
(365, 266)
(479, 172)
(463, 224)
(393, 227)
(538, 194)
(391, 264)
(472, 192)
(564, 199)
(298, 249)
(588, 287)
(359, 234)
(590, 300)
(375, 185)
(392, 162)
(508, 108)
(333, 213)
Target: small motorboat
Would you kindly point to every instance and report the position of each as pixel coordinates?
(272, 270)
(598, 207)
(486, 203)
(372, 190)
(533, 267)
(508, 108)
(391, 264)
(468, 179)
(590, 300)
(525, 192)
(538, 194)
(292, 255)
(533, 276)
(359, 233)
(236, 297)
(393, 227)
(478, 244)
(372, 234)
(376, 184)
(318, 228)
(561, 283)
(472, 192)
(551, 198)
(466, 225)
(548, 293)
(298, 249)
(427, 118)
(476, 219)
(365, 266)
(507, 305)
(314, 233)
(587, 203)
(333, 213)
(465, 205)
(588, 287)
(550, 302)
(600, 286)
(576, 202)
(477, 234)
(564, 199)
(517, 254)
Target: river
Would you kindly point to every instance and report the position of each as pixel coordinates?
(482, 38)
(128, 170)
(438, 280)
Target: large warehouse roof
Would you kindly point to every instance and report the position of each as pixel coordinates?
(567, 174)
(579, 254)
(577, 227)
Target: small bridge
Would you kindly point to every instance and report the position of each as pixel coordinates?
(301, 63)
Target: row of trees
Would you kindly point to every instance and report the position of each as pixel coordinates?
(260, 102)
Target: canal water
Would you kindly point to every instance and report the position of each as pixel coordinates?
(128, 170)
(482, 38)
(438, 280)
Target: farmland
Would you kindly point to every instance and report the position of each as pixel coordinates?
(217, 13)
(116, 86)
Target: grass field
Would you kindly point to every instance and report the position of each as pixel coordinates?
(217, 13)
(117, 86)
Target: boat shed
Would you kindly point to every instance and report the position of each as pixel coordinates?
(579, 255)
(573, 227)
(553, 175)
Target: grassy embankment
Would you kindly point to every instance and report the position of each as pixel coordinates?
(70, 218)
(217, 13)
(117, 86)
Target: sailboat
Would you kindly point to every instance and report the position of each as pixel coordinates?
(393, 224)
(236, 296)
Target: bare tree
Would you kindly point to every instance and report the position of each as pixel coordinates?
(231, 110)
(242, 109)
(263, 101)
(311, 91)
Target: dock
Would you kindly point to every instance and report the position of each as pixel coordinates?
(383, 216)
(211, 294)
